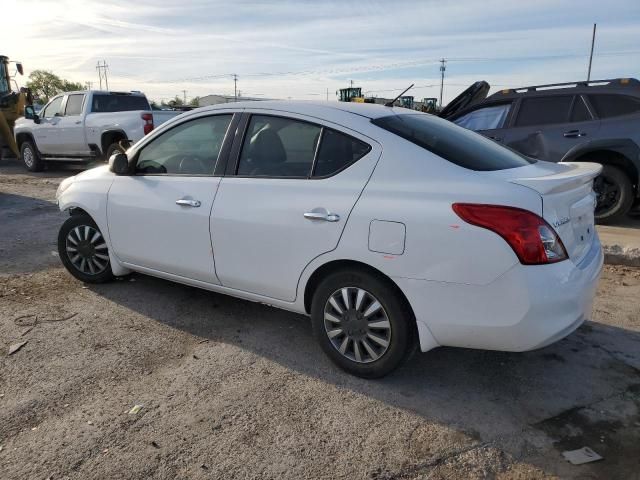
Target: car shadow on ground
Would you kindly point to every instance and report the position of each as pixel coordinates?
(492, 396)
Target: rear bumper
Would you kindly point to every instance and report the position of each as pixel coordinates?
(526, 308)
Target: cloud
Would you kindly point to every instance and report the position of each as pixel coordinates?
(302, 49)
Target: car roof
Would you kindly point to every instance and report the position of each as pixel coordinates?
(368, 110)
(104, 92)
(630, 86)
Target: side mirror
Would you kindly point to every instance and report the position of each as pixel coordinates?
(20, 68)
(29, 112)
(119, 163)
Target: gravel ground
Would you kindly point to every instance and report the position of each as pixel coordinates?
(233, 389)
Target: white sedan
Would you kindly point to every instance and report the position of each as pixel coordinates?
(391, 229)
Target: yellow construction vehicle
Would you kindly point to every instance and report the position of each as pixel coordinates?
(12, 103)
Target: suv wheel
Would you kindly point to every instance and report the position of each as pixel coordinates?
(83, 250)
(614, 192)
(362, 324)
(30, 157)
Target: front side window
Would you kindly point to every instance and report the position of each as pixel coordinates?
(487, 118)
(191, 148)
(74, 105)
(608, 105)
(278, 147)
(53, 108)
(544, 110)
(450, 142)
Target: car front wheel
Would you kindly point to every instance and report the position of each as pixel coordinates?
(362, 323)
(30, 157)
(83, 250)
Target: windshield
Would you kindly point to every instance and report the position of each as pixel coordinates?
(118, 103)
(455, 144)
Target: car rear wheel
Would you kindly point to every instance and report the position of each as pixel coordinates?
(362, 323)
(30, 157)
(83, 250)
(614, 192)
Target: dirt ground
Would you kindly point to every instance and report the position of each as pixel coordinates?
(232, 389)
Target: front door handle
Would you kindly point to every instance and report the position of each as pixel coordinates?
(186, 202)
(574, 134)
(324, 216)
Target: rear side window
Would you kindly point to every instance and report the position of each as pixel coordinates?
(74, 105)
(457, 145)
(544, 110)
(337, 151)
(487, 118)
(118, 103)
(607, 105)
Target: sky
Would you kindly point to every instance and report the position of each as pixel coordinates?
(308, 49)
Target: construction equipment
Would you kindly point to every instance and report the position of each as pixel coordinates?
(429, 105)
(12, 103)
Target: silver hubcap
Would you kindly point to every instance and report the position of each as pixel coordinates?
(87, 250)
(27, 157)
(357, 325)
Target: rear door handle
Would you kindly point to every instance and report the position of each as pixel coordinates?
(324, 216)
(574, 134)
(186, 202)
(497, 139)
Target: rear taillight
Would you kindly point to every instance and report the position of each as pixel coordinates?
(531, 238)
(148, 122)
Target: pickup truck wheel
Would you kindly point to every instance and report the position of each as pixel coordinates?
(113, 148)
(83, 250)
(30, 157)
(614, 193)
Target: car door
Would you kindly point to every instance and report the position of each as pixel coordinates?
(45, 131)
(158, 218)
(547, 127)
(292, 182)
(70, 129)
(488, 120)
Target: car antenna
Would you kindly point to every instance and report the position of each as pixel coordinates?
(390, 104)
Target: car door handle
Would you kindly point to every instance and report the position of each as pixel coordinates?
(324, 216)
(186, 202)
(574, 134)
(78, 122)
(497, 139)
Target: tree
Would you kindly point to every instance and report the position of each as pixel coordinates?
(45, 84)
(176, 102)
(194, 102)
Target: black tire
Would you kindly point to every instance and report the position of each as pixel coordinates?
(113, 148)
(403, 332)
(615, 194)
(31, 157)
(84, 250)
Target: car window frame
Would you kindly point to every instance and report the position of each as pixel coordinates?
(243, 129)
(583, 99)
(44, 109)
(222, 155)
(66, 104)
(516, 113)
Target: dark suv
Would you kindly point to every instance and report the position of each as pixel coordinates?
(596, 121)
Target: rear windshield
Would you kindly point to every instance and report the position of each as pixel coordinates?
(118, 103)
(455, 144)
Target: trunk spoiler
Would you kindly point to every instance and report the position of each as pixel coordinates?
(576, 174)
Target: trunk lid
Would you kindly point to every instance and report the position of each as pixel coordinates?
(568, 200)
(473, 94)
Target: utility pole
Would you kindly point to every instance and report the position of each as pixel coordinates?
(327, 94)
(235, 86)
(593, 41)
(184, 97)
(442, 69)
(102, 72)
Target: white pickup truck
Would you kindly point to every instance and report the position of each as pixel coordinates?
(84, 127)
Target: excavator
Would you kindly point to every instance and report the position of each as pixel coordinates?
(12, 103)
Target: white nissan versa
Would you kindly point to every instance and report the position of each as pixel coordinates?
(390, 228)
